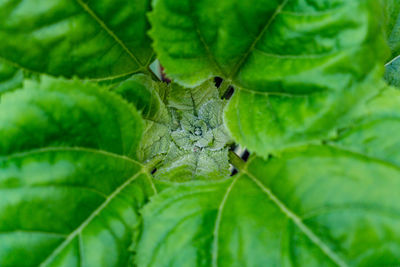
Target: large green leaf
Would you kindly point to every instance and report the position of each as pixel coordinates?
(297, 66)
(334, 204)
(313, 206)
(70, 188)
(374, 133)
(268, 123)
(269, 46)
(91, 39)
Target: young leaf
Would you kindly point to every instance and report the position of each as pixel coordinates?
(91, 39)
(184, 127)
(393, 26)
(70, 188)
(148, 97)
(392, 72)
(313, 206)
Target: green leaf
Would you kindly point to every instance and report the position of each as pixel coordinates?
(269, 123)
(392, 72)
(296, 66)
(333, 204)
(56, 113)
(149, 97)
(374, 133)
(316, 205)
(90, 39)
(146, 95)
(393, 26)
(70, 188)
(268, 46)
(197, 148)
(10, 77)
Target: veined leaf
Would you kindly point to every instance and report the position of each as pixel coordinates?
(70, 189)
(392, 73)
(313, 206)
(393, 26)
(149, 97)
(268, 123)
(333, 204)
(67, 113)
(91, 39)
(374, 133)
(268, 46)
(321, 221)
(296, 66)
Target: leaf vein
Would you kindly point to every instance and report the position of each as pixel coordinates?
(109, 31)
(93, 215)
(298, 221)
(214, 252)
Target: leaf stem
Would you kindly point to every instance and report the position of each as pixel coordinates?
(152, 74)
(223, 88)
(151, 164)
(236, 161)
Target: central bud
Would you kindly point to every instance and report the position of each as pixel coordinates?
(198, 131)
(193, 134)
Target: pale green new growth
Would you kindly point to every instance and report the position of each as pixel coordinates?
(185, 128)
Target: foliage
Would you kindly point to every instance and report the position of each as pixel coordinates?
(104, 164)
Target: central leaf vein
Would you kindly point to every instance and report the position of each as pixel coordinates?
(110, 32)
(298, 221)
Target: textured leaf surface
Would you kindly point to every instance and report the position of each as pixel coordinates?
(183, 126)
(374, 133)
(90, 39)
(266, 45)
(269, 123)
(296, 65)
(393, 26)
(10, 77)
(150, 98)
(392, 72)
(70, 188)
(313, 206)
(333, 204)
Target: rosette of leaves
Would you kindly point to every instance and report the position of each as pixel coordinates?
(186, 133)
(108, 166)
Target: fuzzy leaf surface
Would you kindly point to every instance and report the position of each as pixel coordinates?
(183, 126)
(89, 39)
(70, 188)
(313, 206)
